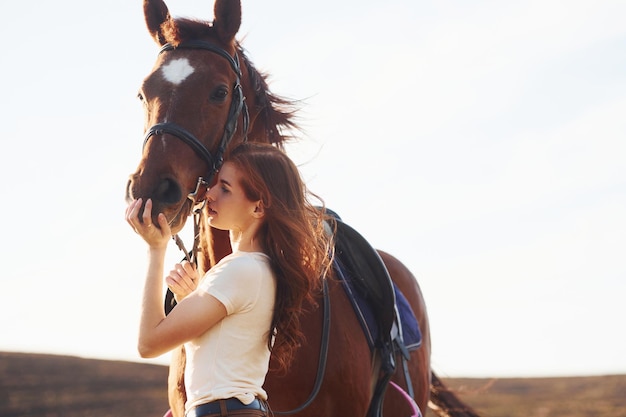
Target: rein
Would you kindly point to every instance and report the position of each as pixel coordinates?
(215, 160)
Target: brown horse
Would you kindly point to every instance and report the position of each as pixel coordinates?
(201, 98)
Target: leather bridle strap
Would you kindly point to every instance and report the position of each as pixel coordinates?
(199, 44)
(184, 135)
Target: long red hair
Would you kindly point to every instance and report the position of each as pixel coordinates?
(293, 236)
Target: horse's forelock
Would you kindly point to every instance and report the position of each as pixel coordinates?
(180, 30)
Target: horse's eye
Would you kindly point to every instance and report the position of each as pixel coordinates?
(140, 96)
(220, 94)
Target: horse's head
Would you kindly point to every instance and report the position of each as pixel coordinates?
(195, 109)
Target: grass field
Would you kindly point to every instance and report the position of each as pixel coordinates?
(61, 386)
(597, 396)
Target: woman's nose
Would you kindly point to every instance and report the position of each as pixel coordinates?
(209, 195)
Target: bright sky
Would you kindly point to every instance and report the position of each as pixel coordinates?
(482, 143)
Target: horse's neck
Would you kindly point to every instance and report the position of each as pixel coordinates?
(214, 245)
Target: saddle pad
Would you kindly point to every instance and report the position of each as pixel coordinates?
(412, 336)
(411, 333)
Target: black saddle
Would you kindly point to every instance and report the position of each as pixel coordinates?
(367, 282)
(370, 289)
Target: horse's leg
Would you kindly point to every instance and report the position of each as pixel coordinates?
(176, 383)
(419, 363)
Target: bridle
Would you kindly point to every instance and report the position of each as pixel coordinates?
(214, 160)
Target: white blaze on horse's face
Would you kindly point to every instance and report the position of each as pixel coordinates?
(177, 71)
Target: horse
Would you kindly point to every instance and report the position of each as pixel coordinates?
(202, 97)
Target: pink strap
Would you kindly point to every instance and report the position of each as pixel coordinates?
(412, 403)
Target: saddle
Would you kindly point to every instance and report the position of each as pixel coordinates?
(384, 313)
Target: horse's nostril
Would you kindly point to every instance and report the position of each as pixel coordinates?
(168, 192)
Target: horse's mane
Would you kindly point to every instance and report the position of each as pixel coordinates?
(276, 114)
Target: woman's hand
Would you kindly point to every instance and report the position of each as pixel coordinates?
(155, 237)
(182, 280)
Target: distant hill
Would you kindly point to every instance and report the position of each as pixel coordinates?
(593, 396)
(36, 385)
(63, 386)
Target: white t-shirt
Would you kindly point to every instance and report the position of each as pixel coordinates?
(231, 359)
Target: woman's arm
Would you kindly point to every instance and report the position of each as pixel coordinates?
(193, 316)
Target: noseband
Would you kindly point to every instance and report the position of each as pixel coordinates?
(237, 107)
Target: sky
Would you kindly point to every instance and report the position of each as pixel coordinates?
(482, 143)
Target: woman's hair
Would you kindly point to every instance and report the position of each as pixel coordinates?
(293, 236)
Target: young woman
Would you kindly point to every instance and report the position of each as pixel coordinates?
(247, 306)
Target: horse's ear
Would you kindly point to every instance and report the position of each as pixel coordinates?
(156, 13)
(227, 19)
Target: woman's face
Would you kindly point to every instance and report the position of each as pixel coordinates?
(228, 206)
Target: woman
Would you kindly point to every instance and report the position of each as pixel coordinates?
(247, 306)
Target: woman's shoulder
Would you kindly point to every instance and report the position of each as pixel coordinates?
(241, 256)
(243, 261)
(240, 275)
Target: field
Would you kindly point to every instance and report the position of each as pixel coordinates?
(54, 386)
(597, 396)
